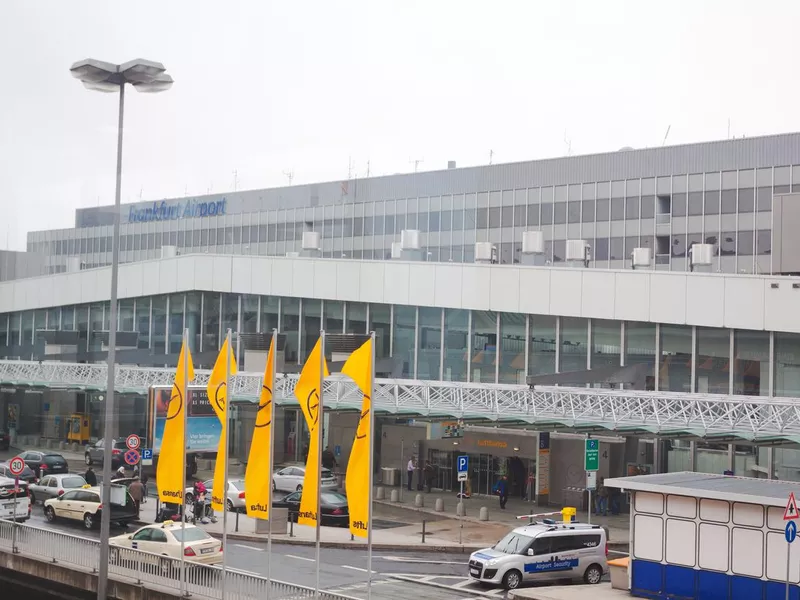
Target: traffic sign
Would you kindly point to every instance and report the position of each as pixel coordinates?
(591, 480)
(147, 456)
(133, 442)
(462, 475)
(132, 457)
(16, 466)
(790, 513)
(791, 531)
(591, 455)
(463, 464)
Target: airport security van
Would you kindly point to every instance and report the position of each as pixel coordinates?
(543, 551)
(15, 502)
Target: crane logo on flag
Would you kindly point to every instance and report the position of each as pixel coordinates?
(265, 406)
(175, 404)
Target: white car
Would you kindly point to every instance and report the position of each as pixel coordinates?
(15, 502)
(164, 539)
(290, 479)
(85, 504)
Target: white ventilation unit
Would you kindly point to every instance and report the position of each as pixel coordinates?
(397, 250)
(641, 258)
(577, 251)
(532, 242)
(702, 255)
(485, 253)
(292, 255)
(73, 264)
(169, 251)
(409, 239)
(311, 240)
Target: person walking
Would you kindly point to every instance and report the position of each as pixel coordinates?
(410, 473)
(601, 506)
(501, 489)
(90, 476)
(136, 490)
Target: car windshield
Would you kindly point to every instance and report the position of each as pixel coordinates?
(332, 498)
(190, 534)
(73, 482)
(513, 543)
(238, 484)
(120, 445)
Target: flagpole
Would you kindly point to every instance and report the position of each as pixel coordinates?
(320, 424)
(370, 448)
(185, 392)
(271, 455)
(225, 428)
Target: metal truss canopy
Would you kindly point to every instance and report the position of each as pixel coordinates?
(668, 414)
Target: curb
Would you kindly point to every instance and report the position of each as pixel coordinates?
(471, 592)
(288, 541)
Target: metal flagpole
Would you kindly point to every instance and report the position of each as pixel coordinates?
(225, 464)
(370, 448)
(320, 423)
(271, 454)
(185, 392)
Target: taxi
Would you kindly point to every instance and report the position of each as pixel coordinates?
(164, 539)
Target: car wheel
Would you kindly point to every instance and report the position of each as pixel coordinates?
(50, 514)
(87, 459)
(88, 521)
(189, 498)
(33, 499)
(299, 487)
(274, 487)
(229, 505)
(512, 579)
(593, 574)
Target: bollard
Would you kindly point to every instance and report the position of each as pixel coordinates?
(484, 514)
(439, 504)
(419, 501)
(395, 496)
(460, 511)
(237, 521)
(423, 530)
(352, 537)
(291, 526)
(380, 493)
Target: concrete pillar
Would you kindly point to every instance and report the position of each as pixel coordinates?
(380, 493)
(732, 458)
(460, 510)
(439, 504)
(657, 455)
(419, 501)
(693, 456)
(395, 497)
(484, 514)
(771, 463)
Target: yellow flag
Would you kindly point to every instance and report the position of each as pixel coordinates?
(170, 475)
(309, 394)
(257, 477)
(357, 481)
(218, 396)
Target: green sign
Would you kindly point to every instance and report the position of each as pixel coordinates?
(592, 455)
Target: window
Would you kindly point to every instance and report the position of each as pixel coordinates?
(587, 214)
(541, 545)
(158, 535)
(547, 213)
(403, 337)
(70, 496)
(142, 535)
(763, 241)
(515, 543)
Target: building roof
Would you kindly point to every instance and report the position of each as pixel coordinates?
(767, 492)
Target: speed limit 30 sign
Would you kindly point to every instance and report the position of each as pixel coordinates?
(133, 442)
(16, 466)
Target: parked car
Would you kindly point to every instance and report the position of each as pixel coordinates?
(52, 486)
(290, 479)
(94, 453)
(332, 505)
(45, 463)
(14, 500)
(27, 473)
(164, 539)
(235, 499)
(5, 440)
(85, 505)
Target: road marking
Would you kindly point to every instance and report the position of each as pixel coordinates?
(249, 547)
(462, 584)
(358, 569)
(300, 558)
(419, 561)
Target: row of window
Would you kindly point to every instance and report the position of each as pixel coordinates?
(457, 345)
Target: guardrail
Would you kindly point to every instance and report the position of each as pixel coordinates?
(201, 581)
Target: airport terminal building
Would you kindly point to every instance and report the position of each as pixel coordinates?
(678, 260)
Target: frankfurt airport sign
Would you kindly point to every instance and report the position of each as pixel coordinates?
(163, 211)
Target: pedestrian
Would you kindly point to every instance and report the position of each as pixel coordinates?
(430, 474)
(90, 476)
(328, 459)
(501, 489)
(120, 472)
(601, 505)
(410, 472)
(144, 483)
(136, 490)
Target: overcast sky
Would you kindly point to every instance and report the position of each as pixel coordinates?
(264, 88)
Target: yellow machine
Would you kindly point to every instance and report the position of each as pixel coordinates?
(78, 428)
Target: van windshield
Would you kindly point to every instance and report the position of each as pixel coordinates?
(513, 543)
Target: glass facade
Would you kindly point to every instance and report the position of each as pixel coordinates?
(431, 343)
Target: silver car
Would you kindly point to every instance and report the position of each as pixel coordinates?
(543, 552)
(290, 479)
(235, 500)
(53, 486)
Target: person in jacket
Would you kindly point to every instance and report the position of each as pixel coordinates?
(136, 490)
(90, 476)
(501, 489)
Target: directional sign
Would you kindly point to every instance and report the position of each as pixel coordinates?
(791, 509)
(133, 442)
(592, 456)
(147, 457)
(16, 466)
(463, 464)
(132, 457)
(791, 531)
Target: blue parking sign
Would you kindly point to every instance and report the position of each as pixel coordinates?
(463, 464)
(147, 454)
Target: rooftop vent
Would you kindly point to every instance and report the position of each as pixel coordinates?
(641, 258)
(311, 240)
(451, 164)
(485, 253)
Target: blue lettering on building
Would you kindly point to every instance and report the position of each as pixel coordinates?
(161, 211)
(564, 564)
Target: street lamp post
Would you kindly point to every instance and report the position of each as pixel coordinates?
(149, 77)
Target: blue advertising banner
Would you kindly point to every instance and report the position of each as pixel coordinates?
(203, 428)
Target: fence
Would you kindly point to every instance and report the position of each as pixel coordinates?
(201, 581)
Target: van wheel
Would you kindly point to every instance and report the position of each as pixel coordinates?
(593, 574)
(512, 579)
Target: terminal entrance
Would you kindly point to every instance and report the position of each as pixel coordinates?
(485, 470)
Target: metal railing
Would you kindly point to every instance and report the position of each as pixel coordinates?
(144, 568)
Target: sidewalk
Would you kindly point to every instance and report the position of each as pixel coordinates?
(601, 591)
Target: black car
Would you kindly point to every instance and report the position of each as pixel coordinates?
(332, 505)
(45, 463)
(95, 452)
(5, 440)
(27, 473)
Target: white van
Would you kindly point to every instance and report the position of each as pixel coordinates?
(23, 500)
(545, 551)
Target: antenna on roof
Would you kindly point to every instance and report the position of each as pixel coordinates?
(664, 141)
(235, 180)
(568, 142)
(491, 156)
(416, 163)
(289, 175)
